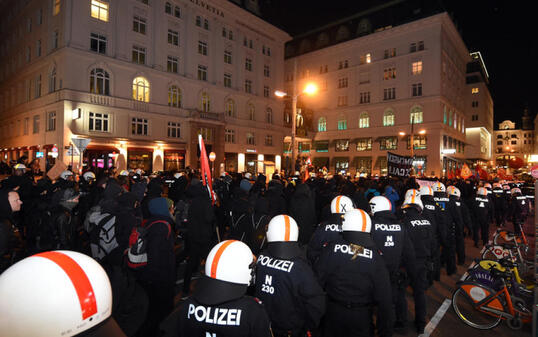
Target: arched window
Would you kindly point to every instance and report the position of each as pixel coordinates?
(229, 107)
(99, 81)
(342, 123)
(388, 117)
(269, 116)
(364, 120)
(141, 89)
(251, 112)
(322, 124)
(174, 96)
(415, 117)
(205, 103)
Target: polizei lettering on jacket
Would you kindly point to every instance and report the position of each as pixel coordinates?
(218, 316)
(333, 228)
(275, 263)
(415, 223)
(388, 228)
(346, 249)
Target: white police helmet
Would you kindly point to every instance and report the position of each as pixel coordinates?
(439, 187)
(55, 293)
(453, 190)
(482, 191)
(357, 220)
(412, 198)
(341, 204)
(230, 261)
(380, 203)
(89, 175)
(282, 228)
(66, 174)
(426, 190)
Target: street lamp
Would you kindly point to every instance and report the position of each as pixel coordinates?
(309, 89)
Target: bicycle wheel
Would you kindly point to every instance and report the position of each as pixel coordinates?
(464, 308)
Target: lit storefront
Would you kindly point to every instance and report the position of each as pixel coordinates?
(140, 158)
(174, 160)
(99, 157)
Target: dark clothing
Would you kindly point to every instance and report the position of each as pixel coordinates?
(288, 288)
(459, 237)
(302, 210)
(354, 282)
(223, 314)
(447, 220)
(519, 209)
(480, 211)
(275, 196)
(501, 203)
(328, 231)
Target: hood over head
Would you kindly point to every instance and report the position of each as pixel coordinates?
(159, 207)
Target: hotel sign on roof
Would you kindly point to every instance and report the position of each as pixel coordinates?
(208, 7)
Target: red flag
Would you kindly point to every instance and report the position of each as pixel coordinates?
(483, 174)
(466, 172)
(206, 172)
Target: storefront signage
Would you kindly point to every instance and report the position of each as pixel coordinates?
(448, 151)
(208, 7)
(251, 151)
(399, 166)
(39, 154)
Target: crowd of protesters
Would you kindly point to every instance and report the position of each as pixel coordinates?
(177, 224)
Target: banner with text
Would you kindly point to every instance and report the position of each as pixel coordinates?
(399, 166)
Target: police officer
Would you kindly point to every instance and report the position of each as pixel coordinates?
(500, 201)
(329, 230)
(491, 212)
(285, 282)
(519, 208)
(219, 306)
(480, 214)
(432, 212)
(448, 222)
(355, 278)
(421, 234)
(454, 194)
(394, 243)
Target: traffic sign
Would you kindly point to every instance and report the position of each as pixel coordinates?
(81, 143)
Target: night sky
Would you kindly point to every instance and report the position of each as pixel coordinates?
(502, 31)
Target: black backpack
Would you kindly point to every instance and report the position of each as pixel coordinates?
(137, 254)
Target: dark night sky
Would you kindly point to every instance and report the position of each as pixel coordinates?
(501, 30)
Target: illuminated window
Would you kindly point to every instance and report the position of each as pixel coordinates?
(388, 143)
(364, 120)
(364, 144)
(174, 96)
(229, 108)
(474, 90)
(99, 10)
(388, 118)
(99, 82)
(56, 7)
(205, 102)
(419, 142)
(141, 89)
(341, 145)
(416, 68)
(322, 124)
(342, 123)
(415, 117)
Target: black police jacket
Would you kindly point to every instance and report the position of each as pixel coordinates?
(500, 200)
(392, 240)
(420, 232)
(328, 231)
(458, 215)
(447, 216)
(432, 212)
(357, 278)
(286, 285)
(219, 308)
(480, 209)
(519, 207)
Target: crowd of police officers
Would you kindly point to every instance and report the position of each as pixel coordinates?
(323, 256)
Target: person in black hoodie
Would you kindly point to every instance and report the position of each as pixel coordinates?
(127, 218)
(302, 208)
(154, 190)
(200, 229)
(219, 306)
(275, 196)
(286, 283)
(159, 275)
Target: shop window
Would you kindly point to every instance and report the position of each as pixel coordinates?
(364, 165)
(174, 160)
(139, 126)
(364, 144)
(342, 165)
(98, 122)
(341, 145)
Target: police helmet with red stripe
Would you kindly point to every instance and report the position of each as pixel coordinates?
(230, 261)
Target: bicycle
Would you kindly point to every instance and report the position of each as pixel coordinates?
(511, 251)
(483, 307)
